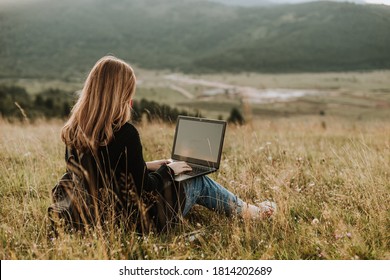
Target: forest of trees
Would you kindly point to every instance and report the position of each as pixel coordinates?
(17, 104)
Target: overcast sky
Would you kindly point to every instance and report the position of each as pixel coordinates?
(386, 2)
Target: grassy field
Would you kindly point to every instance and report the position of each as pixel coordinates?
(330, 177)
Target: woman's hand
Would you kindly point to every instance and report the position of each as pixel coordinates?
(156, 164)
(179, 167)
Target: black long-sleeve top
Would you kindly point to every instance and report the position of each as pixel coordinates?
(124, 154)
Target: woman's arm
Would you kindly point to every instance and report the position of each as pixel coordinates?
(177, 166)
(148, 175)
(156, 164)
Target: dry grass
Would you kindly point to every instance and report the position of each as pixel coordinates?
(330, 178)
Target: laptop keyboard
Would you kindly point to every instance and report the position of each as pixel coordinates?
(197, 169)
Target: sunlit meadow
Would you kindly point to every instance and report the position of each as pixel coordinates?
(330, 178)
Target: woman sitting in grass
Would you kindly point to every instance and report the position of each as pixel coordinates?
(106, 150)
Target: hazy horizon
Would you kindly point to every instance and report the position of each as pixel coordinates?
(258, 2)
(384, 2)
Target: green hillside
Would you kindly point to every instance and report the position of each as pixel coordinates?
(310, 37)
(64, 38)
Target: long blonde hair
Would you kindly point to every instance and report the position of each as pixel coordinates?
(103, 107)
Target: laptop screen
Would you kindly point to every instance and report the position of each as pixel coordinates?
(199, 140)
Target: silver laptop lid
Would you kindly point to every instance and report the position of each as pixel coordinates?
(199, 141)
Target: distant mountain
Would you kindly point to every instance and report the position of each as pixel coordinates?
(61, 39)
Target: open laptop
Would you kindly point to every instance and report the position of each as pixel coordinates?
(198, 141)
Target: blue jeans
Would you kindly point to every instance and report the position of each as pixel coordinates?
(206, 192)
